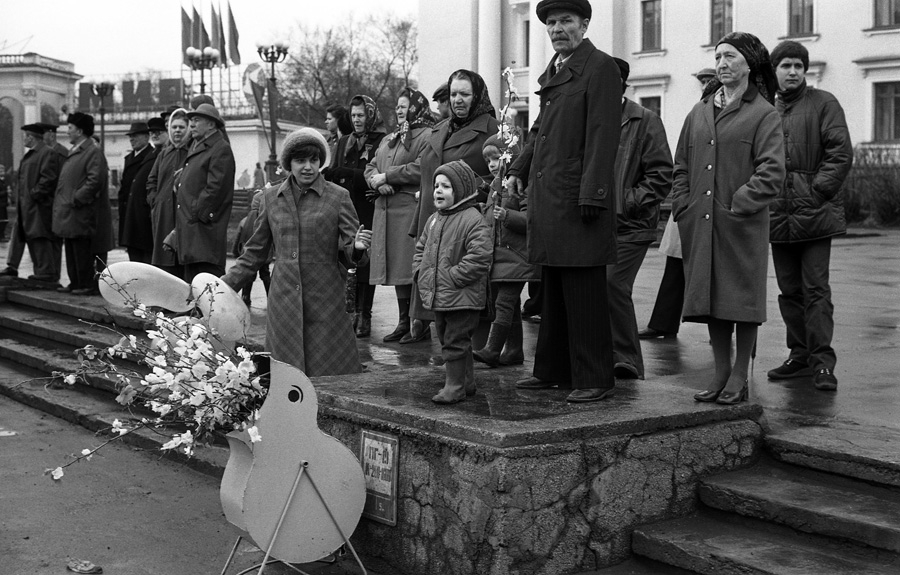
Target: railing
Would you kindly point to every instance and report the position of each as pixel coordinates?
(32, 59)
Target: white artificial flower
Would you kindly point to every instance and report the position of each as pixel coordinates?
(57, 474)
(86, 453)
(253, 432)
(70, 379)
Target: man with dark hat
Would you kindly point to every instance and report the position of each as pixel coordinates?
(38, 176)
(50, 139)
(139, 136)
(442, 97)
(204, 196)
(569, 165)
(135, 228)
(82, 187)
(159, 137)
(705, 75)
(643, 180)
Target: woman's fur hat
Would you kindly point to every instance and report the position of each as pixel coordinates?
(300, 138)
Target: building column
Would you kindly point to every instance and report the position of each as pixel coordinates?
(490, 48)
(539, 53)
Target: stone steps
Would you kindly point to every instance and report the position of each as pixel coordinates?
(711, 543)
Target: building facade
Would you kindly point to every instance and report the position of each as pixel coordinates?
(854, 48)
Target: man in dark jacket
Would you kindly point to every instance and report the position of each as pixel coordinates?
(139, 137)
(643, 180)
(83, 180)
(204, 196)
(569, 165)
(137, 232)
(808, 212)
(38, 175)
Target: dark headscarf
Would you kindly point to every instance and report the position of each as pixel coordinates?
(762, 74)
(418, 116)
(374, 123)
(481, 101)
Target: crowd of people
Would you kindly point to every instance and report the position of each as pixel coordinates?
(458, 217)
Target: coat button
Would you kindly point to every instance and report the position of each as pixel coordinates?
(540, 174)
(708, 192)
(543, 138)
(298, 287)
(706, 217)
(294, 255)
(712, 142)
(709, 166)
(211, 214)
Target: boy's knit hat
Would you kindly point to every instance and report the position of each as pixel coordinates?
(493, 141)
(461, 177)
(303, 137)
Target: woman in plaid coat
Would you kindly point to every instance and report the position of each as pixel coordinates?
(311, 224)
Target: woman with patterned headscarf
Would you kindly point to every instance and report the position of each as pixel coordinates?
(353, 153)
(460, 137)
(729, 165)
(394, 173)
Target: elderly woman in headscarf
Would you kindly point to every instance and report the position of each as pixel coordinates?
(353, 153)
(395, 174)
(729, 165)
(460, 137)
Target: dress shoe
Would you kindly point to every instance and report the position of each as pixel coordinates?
(732, 397)
(825, 380)
(535, 383)
(624, 370)
(534, 318)
(707, 395)
(86, 291)
(592, 394)
(65, 289)
(650, 333)
(10, 272)
(789, 369)
(43, 278)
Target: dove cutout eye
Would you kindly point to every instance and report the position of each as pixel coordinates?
(295, 394)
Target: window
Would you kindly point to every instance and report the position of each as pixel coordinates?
(722, 19)
(651, 27)
(887, 13)
(654, 104)
(800, 19)
(887, 112)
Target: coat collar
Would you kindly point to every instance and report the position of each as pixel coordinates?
(290, 183)
(84, 145)
(574, 66)
(631, 111)
(439, 140)
(205, 143)
(461, 205)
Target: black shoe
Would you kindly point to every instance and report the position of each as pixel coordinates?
(790, 369)
(534, 318)
(419, 332)
(825, 380)
(365, 326)
(86, 291)
(10, 272)
(535, 383)
(708, 396)
(731, 397)
(65, 289)
(650, 333)
(588, 395)
(401, 330)
(624, 370)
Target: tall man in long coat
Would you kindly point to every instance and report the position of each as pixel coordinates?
(38, 175)
(139, 137)
(137, 234)
(204, 195)
(83, 183)
(569, 166)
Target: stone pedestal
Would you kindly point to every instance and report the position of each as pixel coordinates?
(515, 481)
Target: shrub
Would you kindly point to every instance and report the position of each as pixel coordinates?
(872, 189)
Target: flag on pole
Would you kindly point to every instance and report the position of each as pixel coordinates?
(204, 37)
(218, 36)
(233, 53)
(254, 89)
(196, 23)
(185, 35)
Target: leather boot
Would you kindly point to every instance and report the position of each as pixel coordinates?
(365, 323)
(418, 331)
(490, 353)
(512, 353)
(454, 389)
(403, 326)
(470, 376)
(355, 320)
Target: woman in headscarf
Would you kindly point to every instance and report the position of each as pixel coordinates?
(729, 165)
(394, 173)
(460, 137)
(353, 153)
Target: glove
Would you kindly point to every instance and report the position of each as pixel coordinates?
(589, 214)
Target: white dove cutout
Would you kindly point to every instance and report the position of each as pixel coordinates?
(296, 480)
(123, 283)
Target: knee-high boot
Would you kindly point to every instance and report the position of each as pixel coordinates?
(403, 325)
(490, 353)
(512, 353)
(454, 389)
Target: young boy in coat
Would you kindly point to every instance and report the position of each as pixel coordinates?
(505, 216)
(450, 268)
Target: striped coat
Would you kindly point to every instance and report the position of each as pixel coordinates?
(307, 326)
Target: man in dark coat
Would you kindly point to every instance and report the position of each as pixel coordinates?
(807, 213)
(50, 139)
(137, 233)
(139, 137)
(38, 175)
(204, 195)
(83, 182)
(643, 180)
(569, 165)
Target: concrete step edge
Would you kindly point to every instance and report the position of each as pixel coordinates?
(809, 501)
(58, 328)
(90, 308)
(706, 544)
(83, 407)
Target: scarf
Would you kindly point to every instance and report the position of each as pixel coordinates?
(374, 123)
(762, 73)
(418, 116)
(791, 96)
(481, 100)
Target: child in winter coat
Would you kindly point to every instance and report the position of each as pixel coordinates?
(450, 268)
(505, 216)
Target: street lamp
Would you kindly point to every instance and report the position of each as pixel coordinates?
(272, 54)
(102, 90)
(202, 60)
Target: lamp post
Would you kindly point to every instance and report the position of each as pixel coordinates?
(102, 90)
(202, 60)
(272, 54)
